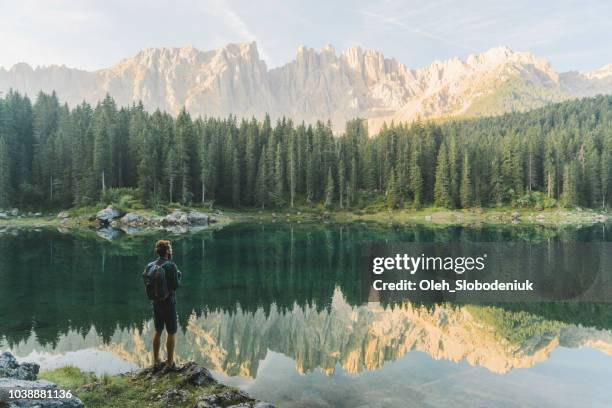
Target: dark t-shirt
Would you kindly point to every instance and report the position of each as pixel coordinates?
(173, 277)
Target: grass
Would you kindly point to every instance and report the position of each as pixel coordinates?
(374, 212)
(130, 390)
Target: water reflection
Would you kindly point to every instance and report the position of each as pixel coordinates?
(259, 299)
(353, 338)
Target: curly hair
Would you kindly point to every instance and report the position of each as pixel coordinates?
(162, 247)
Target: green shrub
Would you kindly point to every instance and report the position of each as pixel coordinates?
(124, 198)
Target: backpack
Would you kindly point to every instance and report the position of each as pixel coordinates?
(155, 282)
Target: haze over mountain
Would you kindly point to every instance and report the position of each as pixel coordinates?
(316, 84)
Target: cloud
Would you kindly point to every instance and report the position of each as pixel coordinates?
(415, 30)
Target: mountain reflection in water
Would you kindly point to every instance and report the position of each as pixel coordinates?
(355, 338)
(264, 304)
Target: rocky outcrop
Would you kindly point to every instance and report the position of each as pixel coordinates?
(176, 222)
(197, 218)
(132, 219)
(11, 369)
(23, 377)
(316, 85)
(191, 381)
(107, 215)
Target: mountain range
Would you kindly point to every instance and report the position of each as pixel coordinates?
(316, 85)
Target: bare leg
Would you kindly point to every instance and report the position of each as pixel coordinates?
(156, 342)
(170, 341)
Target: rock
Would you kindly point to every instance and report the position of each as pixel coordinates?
(428, 218)
(197, 218)
(14, 212)
(3, 216)
(38, 214)
(196, 375)
(515, 215)
(601, 218)
(63, 215)
(176, 217)
(540, 218)
(172, 396)
(108, 214)
(15, 376)
(7, 384)
(9, 367)
(131, 219)
(224, 399)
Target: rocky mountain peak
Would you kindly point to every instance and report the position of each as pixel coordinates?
(317, 84)
(601, 73)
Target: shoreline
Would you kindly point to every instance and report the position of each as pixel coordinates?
(220, 218)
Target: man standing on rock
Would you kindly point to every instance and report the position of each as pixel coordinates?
(162, 279)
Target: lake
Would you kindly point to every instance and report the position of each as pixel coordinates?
(278, 310)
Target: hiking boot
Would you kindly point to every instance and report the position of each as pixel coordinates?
(157, 367)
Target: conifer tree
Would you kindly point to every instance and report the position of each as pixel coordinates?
(416, 180)
(569, 185)
(392, 191)
(236, 180)
(279, 177)
(341, 181)
(466, 183)
(441, 189)
(171, 173)
(5, 190)
(184, 139)
(261, 185)
(329, 189)
(293, 171)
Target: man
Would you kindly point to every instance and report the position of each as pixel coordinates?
(164, 311)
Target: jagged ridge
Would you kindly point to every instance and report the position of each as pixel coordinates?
(316, 84)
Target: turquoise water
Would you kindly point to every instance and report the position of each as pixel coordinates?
(278, 310)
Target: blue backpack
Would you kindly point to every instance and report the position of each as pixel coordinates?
(155, 282)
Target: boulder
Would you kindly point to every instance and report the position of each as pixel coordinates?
(195, 375)
(38, 214)
(131, 219)
(3, 216)
(63, 215)
(224, 399)
(14, 212)
(197, 218)
(9, 367)
(108, 214)
(15, 376)
(7, 384)
(176, 217)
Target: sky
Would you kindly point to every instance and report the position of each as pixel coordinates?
(572, 35)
